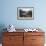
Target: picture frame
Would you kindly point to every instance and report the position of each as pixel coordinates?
(25, 13)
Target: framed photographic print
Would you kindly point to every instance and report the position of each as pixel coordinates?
(25, 13)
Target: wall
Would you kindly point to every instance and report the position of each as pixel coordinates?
(8, 13)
